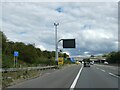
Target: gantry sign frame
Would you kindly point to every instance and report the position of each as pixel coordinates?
(65, 45)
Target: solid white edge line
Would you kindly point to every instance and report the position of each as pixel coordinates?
(114, 75)
(76, 79)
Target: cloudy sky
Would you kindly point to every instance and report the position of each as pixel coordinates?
(93, 25)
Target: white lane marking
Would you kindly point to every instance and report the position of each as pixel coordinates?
(102, 70)
(76, 79)
(114, 75)
(47, 73)
(97, 68)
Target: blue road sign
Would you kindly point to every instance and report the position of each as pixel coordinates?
(16, 54)
(72, 59)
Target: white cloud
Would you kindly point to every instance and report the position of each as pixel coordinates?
(86, 52)
(67, 53)
(60, 1)
(41, 47)
(93, 25)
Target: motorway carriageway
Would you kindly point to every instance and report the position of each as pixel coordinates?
(76, 76)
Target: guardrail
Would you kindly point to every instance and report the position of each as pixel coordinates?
(28, 68)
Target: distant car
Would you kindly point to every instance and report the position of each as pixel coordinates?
(82, 62)
(91, 63)
(77, 62)
(106, 63)
(86, 64)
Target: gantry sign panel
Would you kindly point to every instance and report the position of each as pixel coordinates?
(68, 43)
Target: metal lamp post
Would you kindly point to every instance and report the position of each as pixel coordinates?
(56, 43)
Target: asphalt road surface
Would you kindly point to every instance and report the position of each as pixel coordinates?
(98, 76)
(77, 76)
(61, 78)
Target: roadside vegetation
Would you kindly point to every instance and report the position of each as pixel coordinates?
(113, 57)
(29, 55)
(11, 78)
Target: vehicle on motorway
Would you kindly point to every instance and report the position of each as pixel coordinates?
(106, 63)
(77, 62)
(91, 63)
(86, 62)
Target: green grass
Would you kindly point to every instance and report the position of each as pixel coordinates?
(14, 77)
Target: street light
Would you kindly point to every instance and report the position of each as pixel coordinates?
(56, 43)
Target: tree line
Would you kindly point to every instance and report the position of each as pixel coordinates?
(113, 57)
(28, 54)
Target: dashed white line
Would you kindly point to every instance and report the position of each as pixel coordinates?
(97, 68)
(102, 70)
(114, 75)
(109, 73)
(76, 79)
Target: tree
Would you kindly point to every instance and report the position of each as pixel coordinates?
(39, 52)
(113, 57)
(28, 54)
(65, 55)
(1, 40)
(4, 44)
(92, 56)
(104, 55)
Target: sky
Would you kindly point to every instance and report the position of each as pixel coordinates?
(94, 25)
